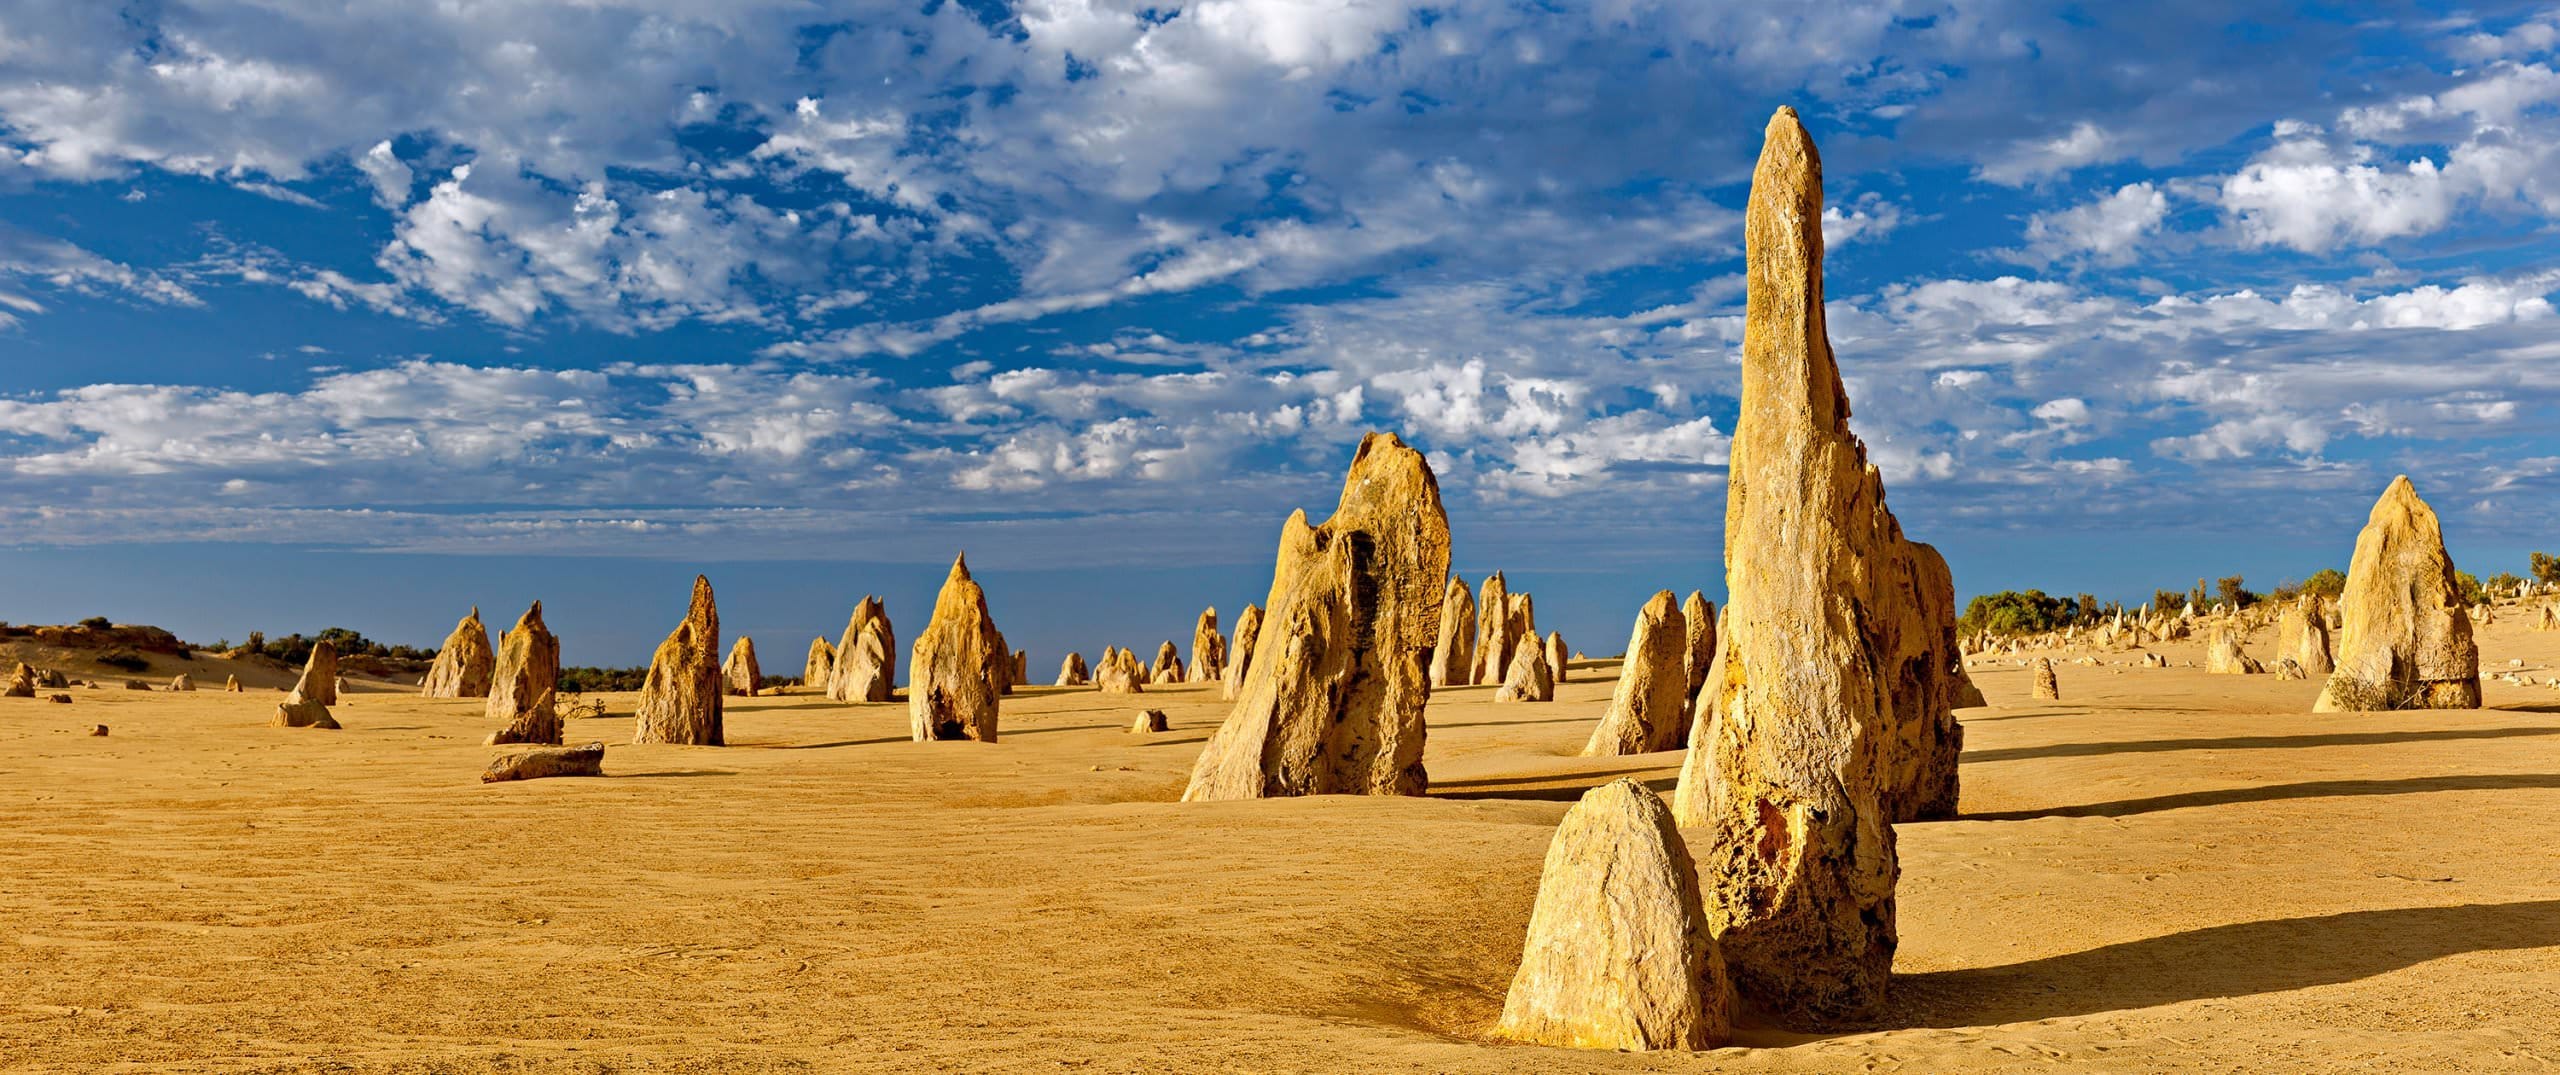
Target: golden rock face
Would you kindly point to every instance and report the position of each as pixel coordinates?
(681, 700)
(865, 664)
(527, 673)
(1826, 714)
(1340, 672)
(2404, 634)
(1618, 954)
(960, 666)
(465, 665)
(1651, 702)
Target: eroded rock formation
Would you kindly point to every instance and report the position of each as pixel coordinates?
(1793, 779)
(587, 760)
(1453, 653)
(1651, 702)
(959, 667)
(682, 699)
(2302, 634)
(1698, 616)
(866, 664)
(2223, 655)
(740, 673)
(528, 671)
(1240, 652)
(1529, 680)
(1619, 954)
(1208, 650)
(1072, 671)
(537, 721)
(1120, 672)
(819, 666)
(1493, 627)
(2404, 637)
(1334, 700)
(465, 665)
(313, 694)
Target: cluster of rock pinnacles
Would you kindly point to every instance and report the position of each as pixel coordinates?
(1817, 709)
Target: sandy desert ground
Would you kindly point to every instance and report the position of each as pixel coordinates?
(2169, 872)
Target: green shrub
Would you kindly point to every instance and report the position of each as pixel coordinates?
(125, 659)
(97, 623)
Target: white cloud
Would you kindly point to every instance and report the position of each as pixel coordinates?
(2025, 162)
(1866, 219)
(30, 260)
(2108, 231)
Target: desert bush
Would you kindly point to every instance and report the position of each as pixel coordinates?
(97, 623)
(581, 679)
(2011, 612)
(124, 659)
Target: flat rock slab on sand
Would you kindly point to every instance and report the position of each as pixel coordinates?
(199, 893)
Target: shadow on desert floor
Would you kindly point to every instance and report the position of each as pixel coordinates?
(2310, 789)
(2242, 959)
(2252, 742)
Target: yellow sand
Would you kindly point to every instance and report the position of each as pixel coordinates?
(2168, 871)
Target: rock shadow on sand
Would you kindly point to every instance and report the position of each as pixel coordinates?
(2310, 789)
(2252, 742)
(1559, 787)
(2242, 959)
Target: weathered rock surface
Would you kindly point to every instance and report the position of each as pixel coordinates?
(1240, 652)
(1120, 672)
(866, 658)
(1493, 628)
(1334, 700)
(528, 671)
(536, 721)
(465, 665)
(22, 682)
(2302, 634)
(182, 682)
(1072, 671)
(2223, 656)
(1619, 954)
(1556, 660)
(1914, 601)
(1650, 706)
(313, 694)
(1788, 778)
(231, 684)
(681, 701)
(1529, 680)
(1453, 654)
(819, 667)
(1698, 617)
(2048, 686)
(740, 674)
(959, 666)
(2404, 637)
(1168, 666)
(1208, 650)
(1152, 720)
(587, 760)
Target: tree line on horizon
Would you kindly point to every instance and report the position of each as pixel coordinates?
(2022, 612)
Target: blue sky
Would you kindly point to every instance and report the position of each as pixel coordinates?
(487, 300)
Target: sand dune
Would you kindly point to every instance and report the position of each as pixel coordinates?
(2166, 871)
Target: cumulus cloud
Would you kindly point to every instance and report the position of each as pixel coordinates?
(2108, 231)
